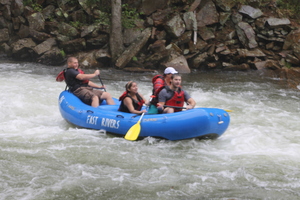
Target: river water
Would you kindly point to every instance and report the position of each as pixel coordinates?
(44, 157)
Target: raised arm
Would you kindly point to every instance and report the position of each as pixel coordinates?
(87, 76)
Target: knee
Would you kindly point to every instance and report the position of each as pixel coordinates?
(94, 97)
(106, 95)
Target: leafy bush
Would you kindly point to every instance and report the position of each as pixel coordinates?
(129, 16)
(33, 4)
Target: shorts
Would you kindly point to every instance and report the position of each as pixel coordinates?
(85, 94)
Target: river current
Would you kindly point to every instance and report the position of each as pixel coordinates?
(42, 157)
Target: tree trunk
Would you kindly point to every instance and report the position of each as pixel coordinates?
(116, 37)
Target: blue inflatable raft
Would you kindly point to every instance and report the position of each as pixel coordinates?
(202, 123)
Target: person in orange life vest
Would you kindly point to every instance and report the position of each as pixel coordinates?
(80, 85)
(159, 82)
(131, 100)
(173, 95)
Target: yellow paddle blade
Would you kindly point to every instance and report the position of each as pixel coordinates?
(133, 132)
(228, 110)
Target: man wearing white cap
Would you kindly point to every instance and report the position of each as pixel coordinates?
(159, 82)
(170, 70)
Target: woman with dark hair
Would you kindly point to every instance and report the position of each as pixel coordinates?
(131, 100)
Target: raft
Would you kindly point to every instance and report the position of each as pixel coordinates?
(202, 123)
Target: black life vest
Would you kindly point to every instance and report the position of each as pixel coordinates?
(137, 104)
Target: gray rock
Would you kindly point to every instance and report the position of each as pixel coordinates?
(175, 26)
(180, 64)
(36, 21)
(4, 35)
(207, 15)
(45, 46)
(272, 21)
(250, 11)
(246, 35)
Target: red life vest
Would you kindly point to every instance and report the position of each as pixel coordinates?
(136, 104)
(176, 100)
(158, 84)
(61, 76)
(82, 72)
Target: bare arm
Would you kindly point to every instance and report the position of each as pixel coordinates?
(160, 106)
(94, 85)
(191, 103)
(145, 100)
(128, 102)
(83, 77)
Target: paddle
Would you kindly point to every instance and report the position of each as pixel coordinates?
(134, 131)
(185, 108)
(101, 82)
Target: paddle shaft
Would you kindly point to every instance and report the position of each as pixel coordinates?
(101, 82)
(185, 108)
(141, 117)
(165, 106)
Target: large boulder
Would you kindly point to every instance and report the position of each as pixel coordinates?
(207, 15)
(180, 64)
(17, 8)
(175, 26)
(246, 35)
(45, 46)
(73, 46)
(36, 21)
(250, 11)
(133, 49)
(54, 56)
(150, 6)
(292, 38)
(23, 49)
(4, 35)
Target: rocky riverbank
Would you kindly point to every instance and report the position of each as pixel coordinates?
(202, 35)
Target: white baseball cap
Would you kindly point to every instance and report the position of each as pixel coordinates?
(170, 70)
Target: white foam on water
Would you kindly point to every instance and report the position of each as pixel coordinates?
(44, 157)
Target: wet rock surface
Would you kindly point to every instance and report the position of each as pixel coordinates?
(203, 35)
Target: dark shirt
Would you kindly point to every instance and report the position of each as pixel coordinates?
(71, 80)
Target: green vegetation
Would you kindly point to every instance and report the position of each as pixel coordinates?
(76, 24)
(290, 8)
(62, 52)
(33, 4)
(288, 65)
(105, 4)
(129, 16)
(103, 18)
